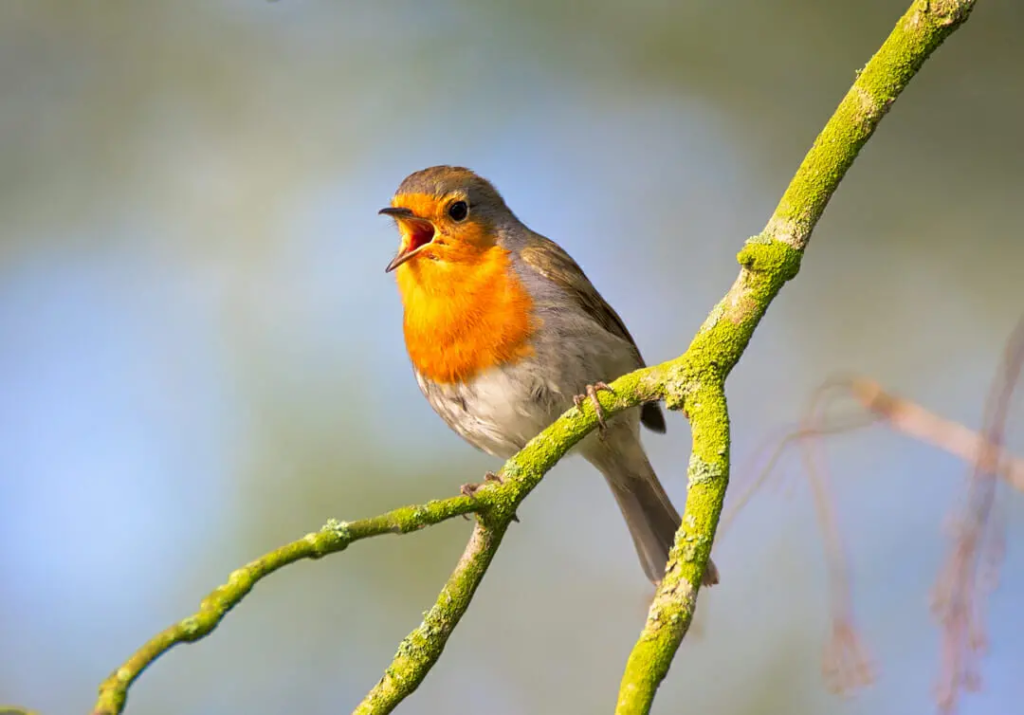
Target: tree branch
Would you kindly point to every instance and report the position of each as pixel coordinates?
(768, 261)
(333, 537)
(422, 648)
(495, 505)
(694, 381)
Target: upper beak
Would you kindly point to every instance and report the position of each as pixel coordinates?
(396, 212)
(409, 249)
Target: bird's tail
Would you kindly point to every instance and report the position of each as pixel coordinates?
(649, 514)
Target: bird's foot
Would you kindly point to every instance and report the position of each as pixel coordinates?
(470, 490)
(592, 391)
(492, 477)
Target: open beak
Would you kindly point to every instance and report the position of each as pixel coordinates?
(417, 233)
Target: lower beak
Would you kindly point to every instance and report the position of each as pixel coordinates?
(419, 232)
(403, 256)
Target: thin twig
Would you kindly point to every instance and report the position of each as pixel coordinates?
(846, 664)
(971, 569)
(914, 420)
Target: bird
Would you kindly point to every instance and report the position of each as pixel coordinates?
(505, 333)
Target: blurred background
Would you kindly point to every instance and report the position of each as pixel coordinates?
(202, 356)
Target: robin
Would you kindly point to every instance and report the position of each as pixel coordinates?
(505, 333)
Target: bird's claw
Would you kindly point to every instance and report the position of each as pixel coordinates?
(592, 391)
(492, 477)
(470, 490)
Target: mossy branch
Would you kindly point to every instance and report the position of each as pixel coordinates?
(494, 504)
(768, 261)
(333, 537)
(695, 382)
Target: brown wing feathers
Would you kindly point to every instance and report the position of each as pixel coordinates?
(558, 266)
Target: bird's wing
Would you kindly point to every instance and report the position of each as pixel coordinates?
(549, 260)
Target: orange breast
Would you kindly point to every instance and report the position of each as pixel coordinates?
(465, 316)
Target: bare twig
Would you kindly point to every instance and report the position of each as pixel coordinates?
(846, 663)
(916, 421)
(971, 571)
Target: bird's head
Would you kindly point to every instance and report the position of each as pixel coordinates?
(445, 215)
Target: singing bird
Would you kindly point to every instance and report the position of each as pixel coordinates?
(505, 333)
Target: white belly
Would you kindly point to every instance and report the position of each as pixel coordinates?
(503, 408)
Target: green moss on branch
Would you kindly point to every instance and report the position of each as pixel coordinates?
(767, 262)
(694, 381)
(335, 536)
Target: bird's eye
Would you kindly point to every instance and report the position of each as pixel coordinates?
(458, 211)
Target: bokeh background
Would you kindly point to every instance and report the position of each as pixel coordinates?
(202, 358)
